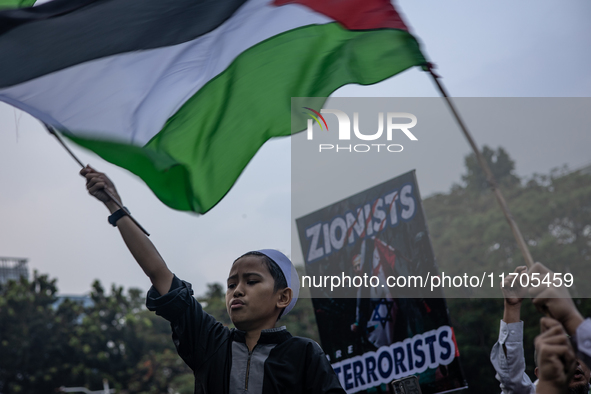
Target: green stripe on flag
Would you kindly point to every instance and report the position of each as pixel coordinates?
(202, 149)
(4, 4)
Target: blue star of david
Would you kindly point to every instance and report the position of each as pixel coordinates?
(376, 311)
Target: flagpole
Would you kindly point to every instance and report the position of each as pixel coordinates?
(489, 175)
(107, 192)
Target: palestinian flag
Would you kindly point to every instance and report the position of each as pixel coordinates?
(184, 92)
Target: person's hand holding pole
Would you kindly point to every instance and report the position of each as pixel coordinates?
(513, 294)
(555, 301)
(555, 358)
(101, 187)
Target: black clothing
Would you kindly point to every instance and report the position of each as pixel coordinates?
(279, 363)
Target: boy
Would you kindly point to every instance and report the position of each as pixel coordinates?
(255, 357)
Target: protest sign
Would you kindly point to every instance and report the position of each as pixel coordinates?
(367, 259)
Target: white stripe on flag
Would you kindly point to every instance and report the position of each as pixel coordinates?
(129, 97)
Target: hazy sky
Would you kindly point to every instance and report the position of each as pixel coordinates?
(483, 49)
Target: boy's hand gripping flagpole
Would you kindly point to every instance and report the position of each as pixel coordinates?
(489, 175)
(52, 132)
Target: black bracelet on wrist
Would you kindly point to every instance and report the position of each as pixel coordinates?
(118, 214)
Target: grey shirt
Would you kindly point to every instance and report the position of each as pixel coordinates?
(248, 367)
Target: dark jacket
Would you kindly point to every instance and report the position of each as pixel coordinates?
(221, 362)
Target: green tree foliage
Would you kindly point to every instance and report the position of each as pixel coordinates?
(44, 347)
(500, 164)
(32, 334)
(112, 338)
(470, 235)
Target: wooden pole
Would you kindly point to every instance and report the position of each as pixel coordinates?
(489, 175)
(52, 132)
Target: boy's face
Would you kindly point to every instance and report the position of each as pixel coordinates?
(250, 300)
(580, 380)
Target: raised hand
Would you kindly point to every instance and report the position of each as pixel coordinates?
(97, 183)
(555, 357)
(555, 301)
(513, 296)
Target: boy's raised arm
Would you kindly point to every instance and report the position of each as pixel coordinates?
(142, 249)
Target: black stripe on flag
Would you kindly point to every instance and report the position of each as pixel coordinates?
(16, 17)
(35, 43)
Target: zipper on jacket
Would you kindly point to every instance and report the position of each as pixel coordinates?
(248, 368)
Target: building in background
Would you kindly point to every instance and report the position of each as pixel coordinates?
(13, 268)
